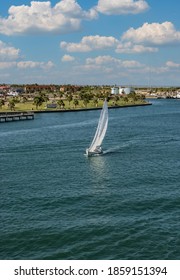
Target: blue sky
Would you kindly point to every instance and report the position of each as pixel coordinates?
(123, 42)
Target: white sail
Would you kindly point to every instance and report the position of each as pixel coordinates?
(95, 146)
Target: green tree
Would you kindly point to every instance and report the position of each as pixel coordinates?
(116, 98)
(85, 101)
(11, 104)
(2, 103)
(107, 96)
(75, 102)
(38, 101)
(61, 94)
(133, 96)
(125, 99)
(61, 103)
(69, 98)
(24, 99)
(45, 98)
(95, 101)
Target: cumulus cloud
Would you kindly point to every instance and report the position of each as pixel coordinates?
(154, 33)
(118, 7)
(5, 65)
(7, 52)
(104, 59)
(27, 64)
(172, 64)
(90, 43)
(67, 58)
(129, 47)
(112, 61)
(34, 64)
(66, 16)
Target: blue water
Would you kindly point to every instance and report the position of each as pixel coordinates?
(55, 203)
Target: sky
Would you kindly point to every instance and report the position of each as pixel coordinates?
(95, 42)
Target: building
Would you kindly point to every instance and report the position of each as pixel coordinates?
(122, 90)
(115, 90)
(126, 90)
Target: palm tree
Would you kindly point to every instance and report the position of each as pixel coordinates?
(69, 98)
(61, 103)
(38, 100)
(2, 103)
(95, 101)
(45, 98)
(133, 96)
(107, 96)
(126, 99)
(116, 99)
(85, 101)
(24, 99)
(61, 94)
(75, 102)
(11, 104)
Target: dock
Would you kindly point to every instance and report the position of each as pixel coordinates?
(16, 116)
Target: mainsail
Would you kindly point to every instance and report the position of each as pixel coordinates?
(101, 129)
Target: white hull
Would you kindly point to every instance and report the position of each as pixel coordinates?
(95, 153)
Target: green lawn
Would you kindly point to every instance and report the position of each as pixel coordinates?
(29, 106)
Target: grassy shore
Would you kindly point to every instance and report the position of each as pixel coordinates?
(29, 106)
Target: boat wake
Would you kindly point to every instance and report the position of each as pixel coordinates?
(116, 149)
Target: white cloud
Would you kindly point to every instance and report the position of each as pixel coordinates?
(7, 52)
(5, 65)
(129, 47)
(64, 17)
(26, 64)
(112, 61)
(67, 58)
(108, 69)
(132, 64)
(105, 59)
(172, 64)
(154, 33)
(90, 43)
(34, 64)
(117, 7)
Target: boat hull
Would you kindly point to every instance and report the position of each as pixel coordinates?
(95, 153)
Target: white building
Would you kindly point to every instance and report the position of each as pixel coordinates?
(114, 90)
(12, 93)
(126, 90)
(121, 90)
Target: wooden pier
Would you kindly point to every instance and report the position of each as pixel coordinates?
(16, 116)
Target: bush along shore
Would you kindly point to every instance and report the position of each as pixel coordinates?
(57, 102)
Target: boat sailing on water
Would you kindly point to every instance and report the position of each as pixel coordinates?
(95, 147)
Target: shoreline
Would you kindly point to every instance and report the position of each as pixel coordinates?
(89, 109)
(74, 110)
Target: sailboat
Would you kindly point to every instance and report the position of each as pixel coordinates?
(95, 147)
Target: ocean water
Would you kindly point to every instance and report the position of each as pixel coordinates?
(55, 203)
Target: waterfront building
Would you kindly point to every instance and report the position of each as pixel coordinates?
(115, 90)
(126, 90)
(122, 90)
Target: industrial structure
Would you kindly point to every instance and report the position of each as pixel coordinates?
(122, 90)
